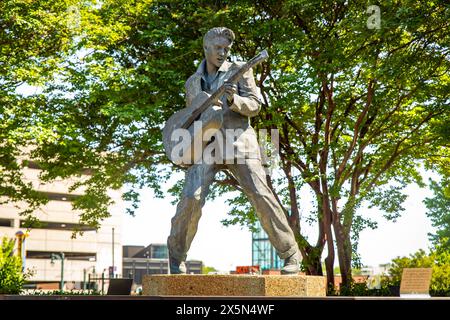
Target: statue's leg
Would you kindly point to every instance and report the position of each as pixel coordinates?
(252, 178)
(184, 224)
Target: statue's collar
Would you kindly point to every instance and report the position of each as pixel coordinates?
(223, 68)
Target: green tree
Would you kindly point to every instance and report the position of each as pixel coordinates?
(34, 38)
(439, 204)
(206, 269)
(355, 107)
(439, 211)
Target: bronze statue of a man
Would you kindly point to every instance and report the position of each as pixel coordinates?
(243, 161)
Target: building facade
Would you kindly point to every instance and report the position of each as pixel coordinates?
(264, 254)
(93, 252)
(153, 259)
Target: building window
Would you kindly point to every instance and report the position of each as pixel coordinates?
(31, 164)
(35, 165)
(54, 196)
(60, 196)
(52, 225)
(159, 252)
(83, 256)
(6, 223)
(263, 253)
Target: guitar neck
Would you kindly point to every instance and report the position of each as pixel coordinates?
(214, 98)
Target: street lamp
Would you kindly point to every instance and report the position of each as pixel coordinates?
(85, 270)
(147, 254)
(168, 261)
(112, 273)
(21, 247)
(60, 256)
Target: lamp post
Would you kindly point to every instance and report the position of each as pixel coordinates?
(21, 247)
(112, 276)
(168, 260)
(60, 256)
(103, 281)
(147, 256)
(85, 270)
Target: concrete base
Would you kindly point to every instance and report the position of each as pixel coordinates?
(234, 285)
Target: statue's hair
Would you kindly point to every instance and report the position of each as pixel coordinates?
(218, 32)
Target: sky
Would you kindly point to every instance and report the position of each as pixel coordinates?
(224, 248)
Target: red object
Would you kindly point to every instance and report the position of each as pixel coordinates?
(247, 269)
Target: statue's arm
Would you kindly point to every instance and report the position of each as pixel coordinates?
(246, 101)
(189, 90)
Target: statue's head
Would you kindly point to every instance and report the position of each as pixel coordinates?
(217, 43)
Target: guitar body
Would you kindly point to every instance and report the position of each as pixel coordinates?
(184, 146)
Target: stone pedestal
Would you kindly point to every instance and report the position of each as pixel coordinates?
(234, 285)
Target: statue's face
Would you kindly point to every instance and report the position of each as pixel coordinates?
(216, 51)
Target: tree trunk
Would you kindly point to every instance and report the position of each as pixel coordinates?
(344, 249)
(311, 256)
(329, 260)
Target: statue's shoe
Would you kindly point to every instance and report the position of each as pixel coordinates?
(291, 265)
(177, 267)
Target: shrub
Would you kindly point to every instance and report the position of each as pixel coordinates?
(11, 276)
(361, 289)
(438, 260)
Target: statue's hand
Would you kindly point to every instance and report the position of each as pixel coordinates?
(230, 90)
(219, 104)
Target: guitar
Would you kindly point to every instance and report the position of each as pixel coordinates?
(183, 133)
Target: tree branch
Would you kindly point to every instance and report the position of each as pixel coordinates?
(370, 93)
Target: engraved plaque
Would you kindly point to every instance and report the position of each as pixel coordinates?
(415, 281)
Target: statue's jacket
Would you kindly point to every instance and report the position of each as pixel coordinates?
(236, 117)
